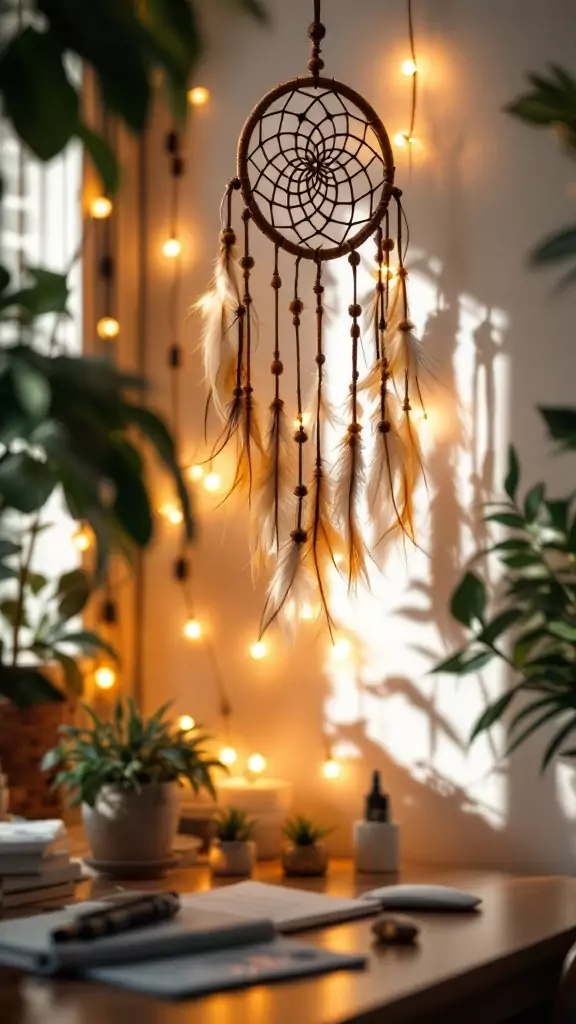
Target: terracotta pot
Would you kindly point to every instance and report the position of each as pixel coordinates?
(305, 860)
(234, 858)
(25, 736)
(125, 825)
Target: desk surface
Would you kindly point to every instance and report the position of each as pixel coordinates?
(496, 963)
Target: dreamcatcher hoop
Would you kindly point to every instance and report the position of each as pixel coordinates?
(316, 174)
(323, 165)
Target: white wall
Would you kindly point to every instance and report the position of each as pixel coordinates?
(482, 189)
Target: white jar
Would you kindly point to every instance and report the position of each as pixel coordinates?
(232, 858)
(376, 847)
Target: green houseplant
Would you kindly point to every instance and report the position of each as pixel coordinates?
(233, 850)
(125, 773)
(305, 853)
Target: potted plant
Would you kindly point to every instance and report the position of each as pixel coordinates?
(124, 772)
(233, 851)
(305, 853)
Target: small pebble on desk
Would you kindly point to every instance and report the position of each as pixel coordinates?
(395, 929)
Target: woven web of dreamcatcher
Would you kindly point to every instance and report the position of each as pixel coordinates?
(316, 167)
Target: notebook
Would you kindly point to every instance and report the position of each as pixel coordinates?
(224, 969)
(291, 910)
(31, 838)
(62, 871)
(25, 943)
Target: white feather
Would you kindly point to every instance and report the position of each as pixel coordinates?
(218, 308)
(348, 493)
(385, 475)
(291, 585)
(273, 506)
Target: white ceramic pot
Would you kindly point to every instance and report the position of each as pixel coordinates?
(125, 825)
(234, 858)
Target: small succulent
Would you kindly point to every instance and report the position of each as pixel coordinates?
(303, 832)
(234, 825)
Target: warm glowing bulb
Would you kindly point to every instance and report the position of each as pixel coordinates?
(172, 513)
(198, 96)
(256, 764)
(409, 68)
(108, 327)
(196, 472)
(402, 139)
(193, 629)
(228, 756)
(104, 677)
(338, 558)
(213, 482)
(331, 769)
(186, 723)
(302, 421)
(258, 650)
(82, 538)
(100, 208)
(307, 612)
(341, 649)
(172, 247)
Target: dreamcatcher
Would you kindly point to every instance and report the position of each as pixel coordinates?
(316, 175)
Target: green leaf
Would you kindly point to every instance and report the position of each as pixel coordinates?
(88, 641)
(464, 663)
(563, 630)
(521, 560)
(37, 95)
(25, 483)
(74, 589)
(513, 475)
(73, 678)
(557, 741)
(533, 501)
(532, 728)
(4, 278)
(107, 36)
(493, 713)
(10, 609)
(558, 512)
(559, 246)
(507, 519)
(131, 502)
(26, 686)
(32, 389)
(36, 581)
(499, 625)
(525, 643)
(52, 759)
(561, 423)
(9, 547)
(102, 156)
(155, 430)
(256, 8)
(469, 600)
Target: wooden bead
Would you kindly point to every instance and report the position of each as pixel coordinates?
(299, 536)
(235, 183)
(301, 490)
(276, 281)
(315, 66)
(405, 325)
(388, 244)
(177, 167)
(246, 215)
(384, 427)
(238, 392)
(320, 359)
(171, 142)
(317, 31)
(355, 309)
(277, 367)
(355, 330)
(301, 436)
(228, 237)
(355, 428)
(354, 259)
(296, 306)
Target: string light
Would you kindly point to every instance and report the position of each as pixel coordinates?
(307, 612)
(331, 769)
(104, 677)
(107, 328)
(409, 68)
(402, 139)
(172, 513)
(338, 558)
(228, 756)
(213, 483)
(256, 764)
(100, 208)
(196, 472)
(198, 96)
(258, 650)
(193, 629)
(172, 248)
(342, 649)
(82, 538)
(186, 723)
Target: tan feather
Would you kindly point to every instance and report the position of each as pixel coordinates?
(218, 308)
(323, 536)
(386, 472)
(350, 482)
(273, 506)
(291, 585)
(250, 451)
(412, 472)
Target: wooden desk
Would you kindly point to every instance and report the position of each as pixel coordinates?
(482, 968)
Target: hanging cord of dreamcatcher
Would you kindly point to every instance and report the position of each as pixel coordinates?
(412, 42)
(316, 34)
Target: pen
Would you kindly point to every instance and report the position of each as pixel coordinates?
(134, 912)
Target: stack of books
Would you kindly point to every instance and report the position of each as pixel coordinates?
(35, 866)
